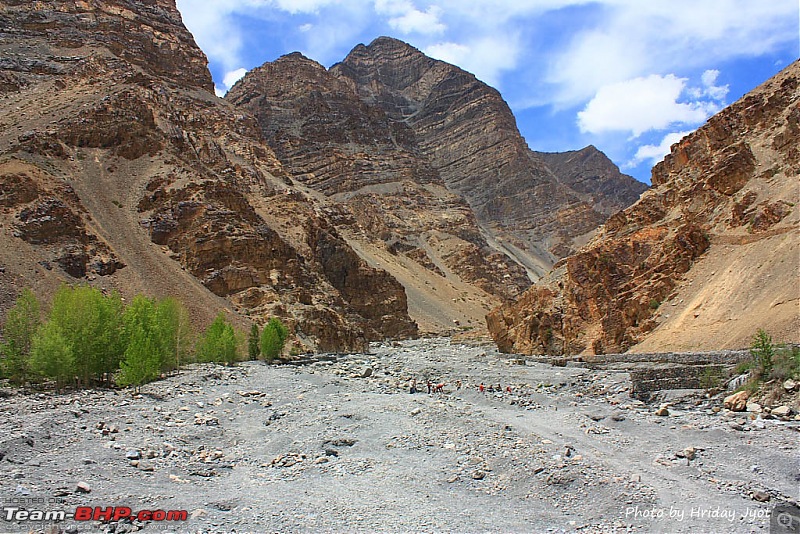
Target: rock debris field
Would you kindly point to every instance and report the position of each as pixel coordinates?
(341, 445)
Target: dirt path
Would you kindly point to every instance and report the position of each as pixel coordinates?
(326, 448)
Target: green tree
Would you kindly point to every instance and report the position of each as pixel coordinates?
(52, 354)
(92, 323)
(147, 343)
(218, 343)
(763, 352)
(176, 332)
(273, 339)
(142, 363)
(253, 343)
(20, 326)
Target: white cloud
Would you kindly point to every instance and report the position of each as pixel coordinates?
(487, 58)
(233, 76)
(641, 104)
(302, 6)
(655, 153)
(416, 21)
(631, 38)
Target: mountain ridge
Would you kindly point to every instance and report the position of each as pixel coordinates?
(706, 257)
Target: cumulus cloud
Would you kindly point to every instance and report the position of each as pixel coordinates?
(655, 153)
(640, 105)
(229, 80)
(416, 21)
(487, 58)
(619, 42)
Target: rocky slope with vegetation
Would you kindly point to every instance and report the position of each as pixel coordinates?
(298, 198)
(706, 257)
(121, 167)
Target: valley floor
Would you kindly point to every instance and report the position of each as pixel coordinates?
(343, 446)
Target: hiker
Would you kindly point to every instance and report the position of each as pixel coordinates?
(439, 388)
(481, 387)
(429, 387)
(508, 389)
(413, 388)
(458, 385)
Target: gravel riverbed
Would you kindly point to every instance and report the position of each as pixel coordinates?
(343, 446)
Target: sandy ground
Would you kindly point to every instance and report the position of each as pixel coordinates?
(342, 446)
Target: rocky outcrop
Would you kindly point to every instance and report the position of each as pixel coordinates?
(731, 183)
(468, 133)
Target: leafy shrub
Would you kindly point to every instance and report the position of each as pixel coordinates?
(763, 352)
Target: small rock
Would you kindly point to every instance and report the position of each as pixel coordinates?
(146, 466)
(636, 477)
(782, 411)
(133, 454)
(737, 402)
(662, 412)
(367, 373)
(198, 513)
(452, 479)
(790, 385)
(753, 407)
(478, 475)
(83, 487)
(415, 411)
(760, 496)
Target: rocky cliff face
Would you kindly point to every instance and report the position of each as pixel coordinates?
(469, 135)
(120, 167)
(420, 160)
(706, 257)
(368, 164)
(594, 178)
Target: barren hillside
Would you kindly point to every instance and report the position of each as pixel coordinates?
(706, 257)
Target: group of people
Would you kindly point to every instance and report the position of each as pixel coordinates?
(439, 387)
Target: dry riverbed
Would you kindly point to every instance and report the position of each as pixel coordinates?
(342, 446)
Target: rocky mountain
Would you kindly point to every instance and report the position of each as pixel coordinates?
(405, 205)
(469, 135)
(303, 196)
(382, 192)
(120, 167)
(706, 257)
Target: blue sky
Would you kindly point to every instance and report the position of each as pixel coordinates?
(629, 76)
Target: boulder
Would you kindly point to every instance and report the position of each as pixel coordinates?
(737, 402)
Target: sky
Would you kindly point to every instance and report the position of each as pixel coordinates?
(628, 76)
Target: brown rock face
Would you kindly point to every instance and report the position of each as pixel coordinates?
(716, 235)
(469, 135)
(594, 179)
(115, 153)
(369, 164)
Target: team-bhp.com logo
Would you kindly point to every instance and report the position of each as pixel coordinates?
(96, 513)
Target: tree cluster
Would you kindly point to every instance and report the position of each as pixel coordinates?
(89, 338)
